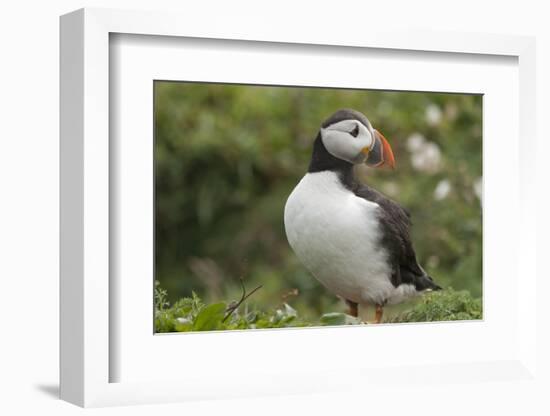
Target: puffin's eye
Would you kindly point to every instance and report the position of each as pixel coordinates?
(355, 131)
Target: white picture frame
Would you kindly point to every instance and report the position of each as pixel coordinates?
(87, 302)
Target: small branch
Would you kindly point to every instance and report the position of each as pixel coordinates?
(244, 296)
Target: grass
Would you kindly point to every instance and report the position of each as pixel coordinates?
(192, 314)
(444, 305)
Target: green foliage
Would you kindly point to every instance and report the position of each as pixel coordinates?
(210, 317)
(191, 314)
(228, 156)
(447, 305)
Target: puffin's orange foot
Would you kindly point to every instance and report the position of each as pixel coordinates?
(378, 314)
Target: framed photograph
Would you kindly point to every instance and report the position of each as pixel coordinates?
(225, 208)
(305, 214)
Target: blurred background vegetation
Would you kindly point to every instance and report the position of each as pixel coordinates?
(228, 156)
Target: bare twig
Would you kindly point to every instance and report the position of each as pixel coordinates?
(233, 307)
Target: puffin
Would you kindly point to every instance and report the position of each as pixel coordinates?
(353, 239)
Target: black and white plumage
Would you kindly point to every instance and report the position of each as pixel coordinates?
(352, 238)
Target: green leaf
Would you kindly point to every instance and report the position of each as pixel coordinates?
(210, 317)
(290, 311)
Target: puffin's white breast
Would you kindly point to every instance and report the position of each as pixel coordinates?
(336, 235)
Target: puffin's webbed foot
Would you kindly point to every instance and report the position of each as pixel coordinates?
(379, 311)
(378, 314)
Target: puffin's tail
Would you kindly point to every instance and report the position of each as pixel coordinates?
(426, 282)
(419, 278)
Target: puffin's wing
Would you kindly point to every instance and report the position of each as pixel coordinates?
(395, 223)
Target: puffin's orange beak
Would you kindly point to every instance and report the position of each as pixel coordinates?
(388, 157)
(380, 153)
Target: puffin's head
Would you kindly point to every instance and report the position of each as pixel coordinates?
(348, 135)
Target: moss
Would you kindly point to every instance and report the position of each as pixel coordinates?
(445, 305)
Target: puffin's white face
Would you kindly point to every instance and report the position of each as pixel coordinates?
(349, 140)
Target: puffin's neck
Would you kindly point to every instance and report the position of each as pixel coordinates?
(322, 160)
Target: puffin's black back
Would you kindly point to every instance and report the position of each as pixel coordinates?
(395, 224)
